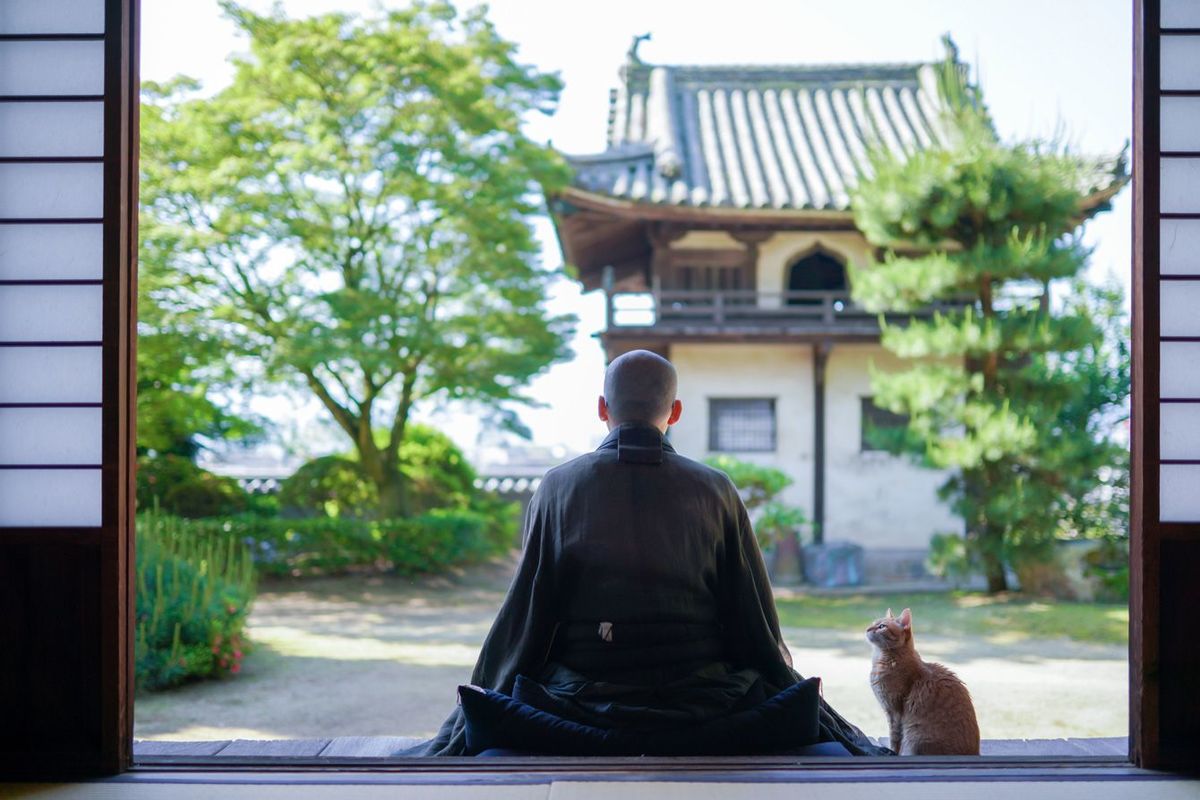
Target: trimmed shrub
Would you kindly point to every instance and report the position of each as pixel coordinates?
(436, 540)
(179, 487)
(438, 474)
(759, 486)
(330, 486)
(503, 520)
(426, 543)
(193, 595)
(314, 546)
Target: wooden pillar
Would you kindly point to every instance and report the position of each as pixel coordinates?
(752, 239)
(606, 281)
(820, 362)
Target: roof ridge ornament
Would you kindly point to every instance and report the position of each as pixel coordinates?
(632, 56)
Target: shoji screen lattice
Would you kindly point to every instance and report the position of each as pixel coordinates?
(52, 261)
(1179, 262)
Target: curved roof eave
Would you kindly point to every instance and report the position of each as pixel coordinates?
(668, 212)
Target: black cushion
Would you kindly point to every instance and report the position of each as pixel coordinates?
(786, 721)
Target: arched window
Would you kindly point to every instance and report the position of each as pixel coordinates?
(819, 271)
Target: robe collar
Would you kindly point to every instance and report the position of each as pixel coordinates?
(637, 443)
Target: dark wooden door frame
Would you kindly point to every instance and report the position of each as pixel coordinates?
(117, 584)
(1164, 708)
(1143, 566)
(66, 644)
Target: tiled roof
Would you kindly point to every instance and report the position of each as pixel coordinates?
(756, 137)
(777, 137)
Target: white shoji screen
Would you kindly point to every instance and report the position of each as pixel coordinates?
(1179, 262)
(52, 166)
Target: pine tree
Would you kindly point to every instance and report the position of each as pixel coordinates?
(1010, 390)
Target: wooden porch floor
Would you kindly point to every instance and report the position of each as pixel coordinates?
(384, 746)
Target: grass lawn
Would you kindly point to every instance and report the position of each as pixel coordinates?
(1005, 617)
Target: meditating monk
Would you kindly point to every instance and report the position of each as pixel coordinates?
(641, 601)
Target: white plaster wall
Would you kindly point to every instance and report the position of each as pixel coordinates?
(873, 499)
(706, 239)
(781, 371)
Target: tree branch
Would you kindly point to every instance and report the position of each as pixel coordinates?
(342, 415)
(403, 408)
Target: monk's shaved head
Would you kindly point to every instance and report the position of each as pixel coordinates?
(639, 386)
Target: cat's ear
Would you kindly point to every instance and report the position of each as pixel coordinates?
(889, 614)
(906, 618)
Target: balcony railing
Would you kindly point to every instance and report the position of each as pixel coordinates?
(740, 310)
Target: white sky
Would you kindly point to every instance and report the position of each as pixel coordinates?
(1046, 66)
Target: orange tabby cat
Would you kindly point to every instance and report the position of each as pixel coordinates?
(928, 708)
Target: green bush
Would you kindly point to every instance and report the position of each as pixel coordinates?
(177, 486)
(436, 540)
(760, 486)
(438, 475)
(502, 518)
(330, 486)
(426, 543)
(1108, 566)
(193, 595)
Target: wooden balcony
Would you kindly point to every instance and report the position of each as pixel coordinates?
(742, 314)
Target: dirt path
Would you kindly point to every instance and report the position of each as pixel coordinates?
(381, 656)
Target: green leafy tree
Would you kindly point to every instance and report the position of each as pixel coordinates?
(181, 366)
(1015, 394)
(354, 210)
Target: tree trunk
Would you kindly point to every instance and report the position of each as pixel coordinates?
(993, 561)
(393, 495)
(993, 568)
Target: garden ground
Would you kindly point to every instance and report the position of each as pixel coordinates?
(380, 656)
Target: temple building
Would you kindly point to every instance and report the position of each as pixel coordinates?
(717, 223)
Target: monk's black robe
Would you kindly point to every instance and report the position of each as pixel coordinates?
(641, 599)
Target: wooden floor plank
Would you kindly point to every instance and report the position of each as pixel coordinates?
(1106, 746)
(385, 746)
(274, 747)
(1055, 747)
(154, 748)
(367, 746)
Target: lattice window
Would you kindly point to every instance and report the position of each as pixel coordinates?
(741, 425)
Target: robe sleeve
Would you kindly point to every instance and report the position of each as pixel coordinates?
(523, 631)
(750, 620)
